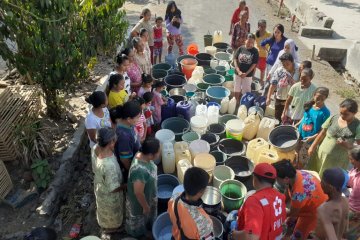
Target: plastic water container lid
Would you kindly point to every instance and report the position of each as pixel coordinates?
(205, 161)
(199, 121)
(235, 125)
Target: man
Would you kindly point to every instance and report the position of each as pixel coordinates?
(333, 214)
(236, 15)
(305, 194)
(189, 219)
(263, 213)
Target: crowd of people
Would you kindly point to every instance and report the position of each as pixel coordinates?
(123, 119)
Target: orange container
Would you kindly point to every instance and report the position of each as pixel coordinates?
(192, 49)
(187, 66)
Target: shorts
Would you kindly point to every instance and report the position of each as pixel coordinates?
(261, 63)
(157, 51)
(242, 85)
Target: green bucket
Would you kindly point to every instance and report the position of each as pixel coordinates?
(190, 136)
(202, 86)
(233, 193)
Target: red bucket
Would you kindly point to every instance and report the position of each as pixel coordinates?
(187, 66)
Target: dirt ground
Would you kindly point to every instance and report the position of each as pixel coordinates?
(80, 206)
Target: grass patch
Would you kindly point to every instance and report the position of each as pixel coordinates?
(347, 93)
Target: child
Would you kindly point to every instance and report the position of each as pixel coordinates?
(315, 114)
(141, 125)
(148, 111)
(332, 214)
(300, 93)
(305, 64)
(158, 101)
(260, 35)
(158, 38)
(144, 36)
(174, 21)
(122, 63)
(354, 198)
(147, 82)
(116, 92)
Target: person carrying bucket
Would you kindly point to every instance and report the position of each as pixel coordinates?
(189, 219)
(263, 213)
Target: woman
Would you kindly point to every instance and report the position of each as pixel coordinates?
(125, 117)
(141, 200)
(235, 17)
(240, 31)
(245, 61)
(145, 23)
(337, 137)
(107, 182)
(289, 47)
(141, 58)
(260, 35)
(276, 43)
(98, 116)
(134, 72)
(173, 20)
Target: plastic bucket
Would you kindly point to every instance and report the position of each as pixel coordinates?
(204, 59)
(209, 71)
(225, 118)
(233, 193)
(218, 228)
(190, 136)
(221, 46)
(202, 86)
(220, 157)
(242, 167)
(177, 98)
(217, 93)
(178, 190)
(198, 124)
(221, 70)
(223, 56)
(211, 200)
(212, 139)
(205, 161)
(210, 50)
(199, 146)
(165, 135)
(178, 60)
(174, 81)
(218, 129)
(179, 126)
(187, 66)
(214, 79)
(162, 227)
(234, 129)
(190, 87)
(159, 74)
(162, 66)
(166, 183)
(222, 173)
(284, 138)
(208, 39)
(192, 49)
(231, 147)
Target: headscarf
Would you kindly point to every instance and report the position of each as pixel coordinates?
(293, 49)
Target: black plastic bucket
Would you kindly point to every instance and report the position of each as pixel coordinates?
(218, 129)
(212, 139)
(242, 166)
(232, 147)
(159, 74)
(221, 46)
(174, 81)
(220, 157)
(203, 59)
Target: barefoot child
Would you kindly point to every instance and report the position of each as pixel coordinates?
(332, 214)
(158, 38)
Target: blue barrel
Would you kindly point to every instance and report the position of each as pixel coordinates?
(174, 81)
(178, 125)
(166, 183)
(162, 227)
(183, 109)
(168, 110)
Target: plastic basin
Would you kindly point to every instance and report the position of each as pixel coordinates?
(187, 66)
(214, 79)
(159, 74)
(242, 167)
(162, 227)
(174, 81)
(231, 147)
(221, 46)
(284, 138)
(233, 193)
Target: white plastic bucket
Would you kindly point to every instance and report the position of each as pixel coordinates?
(165, 135)
(199, 146)
(222, 173)
(234, 129)
(198, 124)
(210, 50)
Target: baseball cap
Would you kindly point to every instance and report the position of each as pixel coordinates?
(265, 170)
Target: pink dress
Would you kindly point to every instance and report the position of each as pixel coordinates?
(157, 102)
(134, 72)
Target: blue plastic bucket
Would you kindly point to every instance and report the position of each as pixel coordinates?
(217, 93)
(162, 227)
(166, 183)
(179, 126)
(214, 79)
(178, 190)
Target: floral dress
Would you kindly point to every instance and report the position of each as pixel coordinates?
(143, 61)
(239, 35)
(107, 178)
(134, 72)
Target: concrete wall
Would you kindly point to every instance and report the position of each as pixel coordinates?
(352, 63)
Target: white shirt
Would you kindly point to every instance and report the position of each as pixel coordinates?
(94, 122)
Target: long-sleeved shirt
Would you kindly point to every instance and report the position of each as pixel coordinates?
(275, 48)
